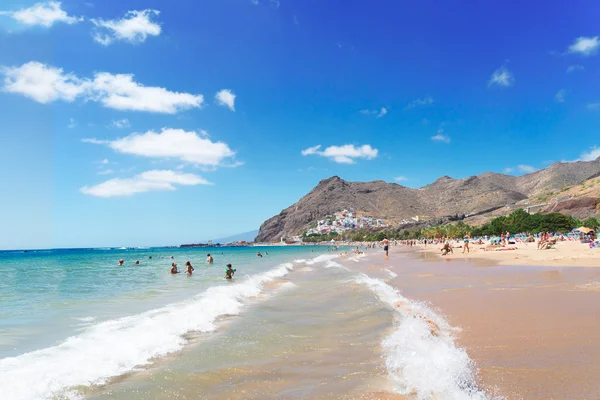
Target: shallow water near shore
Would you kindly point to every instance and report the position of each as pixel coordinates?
(300, 323)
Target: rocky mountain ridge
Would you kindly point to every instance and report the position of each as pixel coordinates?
(446, 196)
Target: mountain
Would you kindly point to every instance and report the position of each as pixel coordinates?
(240, 237)
(445, 197)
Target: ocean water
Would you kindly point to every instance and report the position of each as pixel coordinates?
(73, 324)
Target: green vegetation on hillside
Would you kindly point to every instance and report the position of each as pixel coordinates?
(518, 222)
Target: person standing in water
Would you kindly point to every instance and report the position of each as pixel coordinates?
(121, 262)
(386, 246)
(229, 272)
(174, 269)
(209, 259)
(188, 268)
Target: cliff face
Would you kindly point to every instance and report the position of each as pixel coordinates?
(446, 196)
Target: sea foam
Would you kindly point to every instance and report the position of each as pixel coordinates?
(111, 348)
(421, 356)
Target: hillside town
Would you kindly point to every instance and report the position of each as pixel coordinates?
(344, 221)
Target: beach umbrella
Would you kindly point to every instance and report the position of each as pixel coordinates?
(585, 230)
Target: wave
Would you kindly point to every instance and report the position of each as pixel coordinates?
(111, 348)
(421, 356)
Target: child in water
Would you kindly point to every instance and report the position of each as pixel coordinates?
(229, 272)
(188, 268)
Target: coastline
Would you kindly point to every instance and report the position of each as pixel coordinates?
(564, 254)
(530, 330)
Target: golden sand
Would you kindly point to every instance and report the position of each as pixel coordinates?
(564, 254)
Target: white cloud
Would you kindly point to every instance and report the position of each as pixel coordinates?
(560, 95)
(42, 14)
(106, 172)
(105, 161)
(585, 45)
(121, 123)
(400, 178)
(72, 123)
(154, 180)
(41, 83)
(121, 92)
(345, 154)
(226, 98)
(46, 84)
(440, 137)
(379, 113)
(420, 102)
(591, 155)
(135, 27)
(502, 77)
(573, 68)
(189, 147)
(508, 170)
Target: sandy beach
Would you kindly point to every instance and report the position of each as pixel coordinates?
(531, 330)
(563, 254)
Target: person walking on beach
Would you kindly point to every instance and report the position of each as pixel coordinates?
(174, 269)
(386, 246)
(229, 272)
(466, 244)
(188, 268)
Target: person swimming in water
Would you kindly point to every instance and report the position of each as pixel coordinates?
(174, 268)
(258, 254)
(188, 268)
(229, 272)
(137, 262)
(209, 259)
(121, 261)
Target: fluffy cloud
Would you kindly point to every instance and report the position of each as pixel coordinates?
(121, 123)
(440, 137)
(42, 83)
(345, 154)
(400, 178)
(590, 155)
(46, 84)
(155, 180)
(135, 27)
(573, 68)
(502, 77)
(121, 92)
(560, 96)
(189, 147)
(420, 102)
(585, 46)
(380, 113)
(42, 14)
(226, 98)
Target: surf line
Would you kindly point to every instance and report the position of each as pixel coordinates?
(112, 348)
(420, 354)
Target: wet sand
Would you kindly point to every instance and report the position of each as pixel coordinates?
(533, 332)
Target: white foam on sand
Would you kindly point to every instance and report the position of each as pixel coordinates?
(421, 356)
(392, 274)
(113, 347)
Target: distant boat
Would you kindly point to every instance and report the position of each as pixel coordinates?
(288, 242)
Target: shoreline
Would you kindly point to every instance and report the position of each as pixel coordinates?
(530, 330)
(565, 254)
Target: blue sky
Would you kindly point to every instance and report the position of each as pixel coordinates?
(147, 123)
